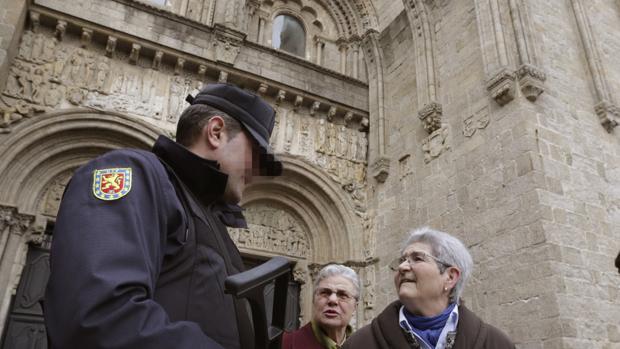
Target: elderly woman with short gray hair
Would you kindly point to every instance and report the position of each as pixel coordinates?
(336, 292)
(429, 274)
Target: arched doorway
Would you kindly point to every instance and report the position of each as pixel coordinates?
(38, 158)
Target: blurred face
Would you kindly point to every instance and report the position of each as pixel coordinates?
(334, 303)
(239, 157)
(420, 284)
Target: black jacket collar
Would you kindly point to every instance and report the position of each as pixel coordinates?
(202, 177)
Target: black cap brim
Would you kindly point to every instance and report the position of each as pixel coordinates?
(269, 164)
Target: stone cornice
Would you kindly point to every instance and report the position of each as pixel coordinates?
(191, 61)
(279, 53)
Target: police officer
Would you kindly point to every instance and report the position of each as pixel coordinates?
(140, 249)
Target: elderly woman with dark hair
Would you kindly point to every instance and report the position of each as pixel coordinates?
(429, 276)
(336, 291)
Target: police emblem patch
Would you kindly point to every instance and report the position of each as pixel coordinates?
(111, 183)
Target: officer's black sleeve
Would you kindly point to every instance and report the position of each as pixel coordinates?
(105, 259)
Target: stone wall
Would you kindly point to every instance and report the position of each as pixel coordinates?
(525, 178)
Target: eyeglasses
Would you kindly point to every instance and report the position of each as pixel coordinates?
(416, 257)
(342, 295)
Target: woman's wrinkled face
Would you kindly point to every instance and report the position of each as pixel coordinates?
(334, 302)
(420, 282)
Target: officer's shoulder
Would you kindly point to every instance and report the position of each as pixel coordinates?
(136, 159)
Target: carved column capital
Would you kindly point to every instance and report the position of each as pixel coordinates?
(608, 114)
(431, 114)
(531, 80)
(502, 86)
(381, 169)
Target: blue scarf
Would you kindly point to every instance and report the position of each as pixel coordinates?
(429, 328)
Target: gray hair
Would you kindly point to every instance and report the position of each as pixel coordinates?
(339, 270)
(448, 249)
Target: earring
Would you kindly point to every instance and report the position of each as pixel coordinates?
(445, 288)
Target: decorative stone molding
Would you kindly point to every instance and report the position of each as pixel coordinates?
(297, 104)
(157, 60)
(608, 114)
(223, 77)
(61, 28)
(381, 169)
(227, 44)
(500, 77)
(331, 113)
(606, 109)
(478, 121)
(315, 106)
(110, 46)
(280, 97)
(135, 53)
(262, 89)
(378, 140)
(502, 86)
(178, 68)
(87, 37)
(436, 144)
(35, 21)
(531, 80)
(431, 116)
(426, 78)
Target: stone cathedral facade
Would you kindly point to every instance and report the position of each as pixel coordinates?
(494, 120)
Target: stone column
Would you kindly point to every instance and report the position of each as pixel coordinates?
(318, 49)
(343, 48)
(261, 31)
(356, 57)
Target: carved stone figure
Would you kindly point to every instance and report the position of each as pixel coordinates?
(331, 138)
(362, 147)
(13, 86)
(53, 95)
(304, 136)
(37, 47)
(25, 48)
(435, 144)
(290, 132)
(176, 98)
(321, 137)
(38, 86)
(103, 67)
(49, 50)
(342, 145)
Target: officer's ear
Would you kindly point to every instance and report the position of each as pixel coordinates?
(213, 132)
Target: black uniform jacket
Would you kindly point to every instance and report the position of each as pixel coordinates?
(143, 270)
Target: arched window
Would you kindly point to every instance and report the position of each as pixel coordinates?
(289, 35)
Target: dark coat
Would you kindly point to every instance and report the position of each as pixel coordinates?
(303, 338)
(145, 270)
(384, 332)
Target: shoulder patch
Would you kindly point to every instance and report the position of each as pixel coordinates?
(111, 183)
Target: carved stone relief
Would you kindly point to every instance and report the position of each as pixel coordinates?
(53, 195)
(272, 229)
(476, 121)
(435, 144)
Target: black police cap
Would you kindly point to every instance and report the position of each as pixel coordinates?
(256, 115)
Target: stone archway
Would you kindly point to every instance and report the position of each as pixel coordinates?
(36, 160)
(303, 216)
